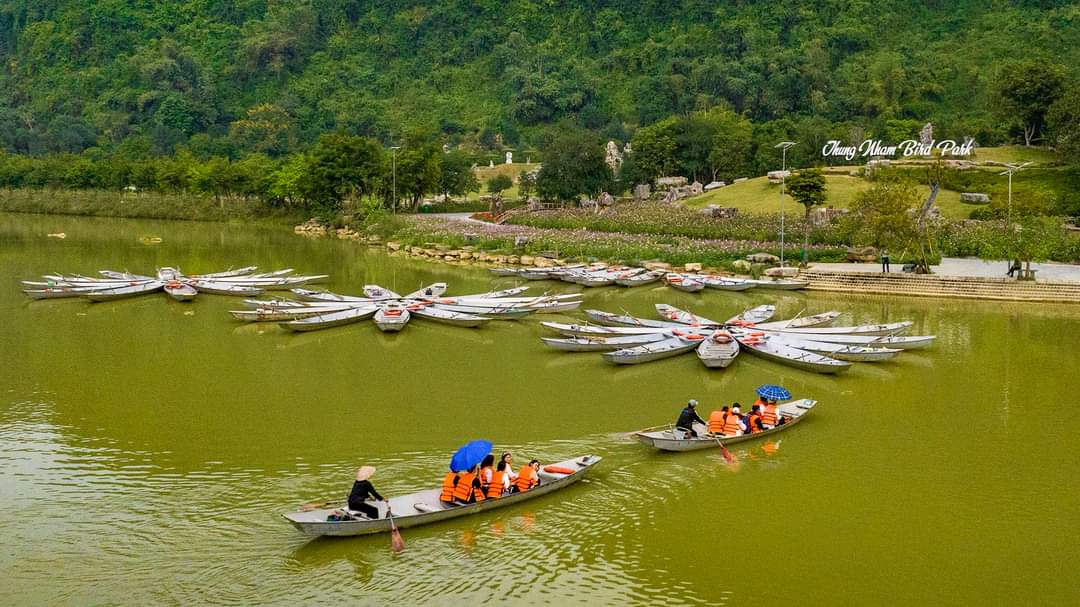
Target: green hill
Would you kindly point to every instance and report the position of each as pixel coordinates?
(231, 77)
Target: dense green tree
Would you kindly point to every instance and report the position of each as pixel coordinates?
(732, 147)
(457, 177)
(497, 183)
(807, 187)
(573, 166)
(341, 166)
(654, 150)
(885, 215)
(419, 169)
(526, 184)
(1063, 124)
(1027, 89)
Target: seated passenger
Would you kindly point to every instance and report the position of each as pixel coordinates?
(733, 422)
(770, 416)
(468, 489)
(716, 420)
(508, 459)
(753, 421)
(529, 476)
(500, 482)
(449, 483)
(486, 469)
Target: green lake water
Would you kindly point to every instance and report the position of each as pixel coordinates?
(148, 447)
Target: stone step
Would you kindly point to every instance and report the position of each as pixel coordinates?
(943, 286)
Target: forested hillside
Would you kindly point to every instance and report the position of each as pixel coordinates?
(231, 77)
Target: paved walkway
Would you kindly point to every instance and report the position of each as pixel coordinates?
(966, 266)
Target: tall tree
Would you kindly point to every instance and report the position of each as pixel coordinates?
(807, 187)
(1027, 89)
(573, 165)
(342, 166)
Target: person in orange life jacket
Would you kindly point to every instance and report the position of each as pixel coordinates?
(449, 484)
(500, 482)
(716, 420)
(508, 459)
(770, 415)
(753, 421)
(487, 468)
(733, 423)
(468, 488)
(687, 417)
(362, 489)
(528, 477)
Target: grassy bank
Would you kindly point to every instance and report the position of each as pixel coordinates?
(143, 205)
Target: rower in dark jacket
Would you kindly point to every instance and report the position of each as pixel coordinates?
(362, 489)
(687, 417)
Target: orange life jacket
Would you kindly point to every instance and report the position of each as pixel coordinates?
(768, 417)
(752, 423)
(465, 488)
(526, 479)
(448, 483)
(495, 489)
(759, 403)
(716, 422)
(484, 476)
(731, 424)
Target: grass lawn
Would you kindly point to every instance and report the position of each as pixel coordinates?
(759, 196)
(1017, 153)
(510, 170)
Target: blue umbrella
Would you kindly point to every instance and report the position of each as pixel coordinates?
(771, 392)
(469, 455)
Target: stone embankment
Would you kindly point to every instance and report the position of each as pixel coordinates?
(930, 285)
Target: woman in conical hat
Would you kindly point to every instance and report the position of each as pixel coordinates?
(362, 489)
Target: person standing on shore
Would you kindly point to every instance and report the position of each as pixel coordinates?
(885, 261)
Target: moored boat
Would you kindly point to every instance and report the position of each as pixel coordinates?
(458, 319)
(872, 330)
(179, 291)
(684, 283)
(627, 279)
(718, 350)
(785, 284)
(677, 344)
(625, 320)
(766, 347)
(683, 317)
(123, 292)
(601, 344)
(816, 320)
(597, 330)
(424, 507)
(753, 315)
(392, 317)
(329, 319)
(839, 351)
(667, 439)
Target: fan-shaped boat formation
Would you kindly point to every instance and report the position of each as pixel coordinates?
(392, 312)
(243, 282)
(807, 343)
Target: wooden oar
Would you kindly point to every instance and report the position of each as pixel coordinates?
(397, 544)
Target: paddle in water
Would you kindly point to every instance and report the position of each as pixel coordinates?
(397, 544)
(728, 457)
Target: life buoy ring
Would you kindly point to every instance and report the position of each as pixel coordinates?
(558, 469)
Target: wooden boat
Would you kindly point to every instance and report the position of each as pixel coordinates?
(772, 349)
(882, 329)
(667, 439)
(601, 331)
(718, 350)
(839, 351)
(123, 275)
(458, 319)
(785, 284)
(724, 284)
(123, 292)
(753, 315)
(179, 291)
(58, 292)
(499, 294)
(285, 314)
(683, 283)
(274, 274)
(424, 507)
(392, 317)
(501, 312)
(327, 296)
(817, 320)
(554, 307)
(433, 290)
(637, 280)
(625, 320)
(683, 317)
(377, 292)
(900, 342)
(330, 319)
(677, 344)
(229, 273)
(223, 288)
(602, 344)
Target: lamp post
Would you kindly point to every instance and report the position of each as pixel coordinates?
(783, 146)
(1011, 168)
(393, 172)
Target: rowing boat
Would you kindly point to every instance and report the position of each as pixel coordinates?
(839, 351)
(724, 284)
(223, 288)
(327, 296)
(625, 320)
(291, 313)
(637, 280)
(503, 312)
(597, 330)
(123, 292)
(817, 320)
(872, 330)
(718, 350)
(683, 317)
(753, 315)
(780, 283)
(329, 319)
(677, 344)
(768, 348)
(458, 319)
(424, 507)
(900, 342)
(671, 440)
(392, 317)
(433, 290)
(602, 344)
(684, 283)
(377, 292)
(180, 291)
